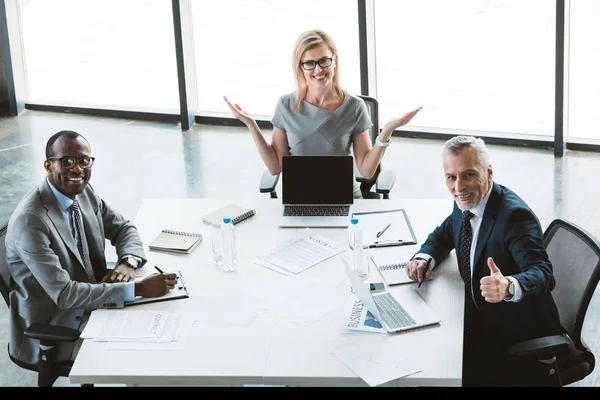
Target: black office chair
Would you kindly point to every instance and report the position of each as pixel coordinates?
(382, 180)
(48, 368)
(575, 257)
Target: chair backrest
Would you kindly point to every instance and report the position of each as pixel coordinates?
(4, 274)
(373, 108)
(575, 257)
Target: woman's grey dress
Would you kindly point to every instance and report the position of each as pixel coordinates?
(314, 131)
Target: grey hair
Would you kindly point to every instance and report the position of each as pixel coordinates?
(457, 143)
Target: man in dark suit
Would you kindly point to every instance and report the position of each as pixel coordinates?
(55, 252)
(508, 278)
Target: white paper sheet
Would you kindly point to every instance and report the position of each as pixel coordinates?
(304, 300)
(374, 363)
(224, 309)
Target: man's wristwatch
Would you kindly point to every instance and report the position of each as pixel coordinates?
(378, 142)
(131, 261)
(510, 289)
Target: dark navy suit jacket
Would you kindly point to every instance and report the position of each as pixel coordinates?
(511, 234)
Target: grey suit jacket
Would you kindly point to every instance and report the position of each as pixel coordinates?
(48, 282)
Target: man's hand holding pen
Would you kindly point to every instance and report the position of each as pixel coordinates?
(156, 284)
(419, 269)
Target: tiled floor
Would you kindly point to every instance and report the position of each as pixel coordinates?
(137, 159)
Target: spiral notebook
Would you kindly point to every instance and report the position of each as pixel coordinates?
(176, 241)
(236, 213)
(392, 270)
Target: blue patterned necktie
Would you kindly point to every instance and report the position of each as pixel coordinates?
(82, 244)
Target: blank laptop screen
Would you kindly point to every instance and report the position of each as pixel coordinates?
(317, 180)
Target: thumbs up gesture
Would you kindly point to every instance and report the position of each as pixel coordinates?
(493, 287)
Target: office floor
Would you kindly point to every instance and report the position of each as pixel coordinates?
(138, 159)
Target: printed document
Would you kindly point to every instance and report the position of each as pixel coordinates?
(301, 252)
(125, 325)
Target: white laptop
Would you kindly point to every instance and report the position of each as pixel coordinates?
(317, 191)
(400, 311)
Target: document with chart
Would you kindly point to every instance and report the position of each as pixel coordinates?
(300, 253)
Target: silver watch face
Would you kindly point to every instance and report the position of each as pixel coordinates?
(131, 261)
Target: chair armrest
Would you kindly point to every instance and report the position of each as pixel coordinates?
(543, 347)
(268, 182)
(51, 333)
(385, 181)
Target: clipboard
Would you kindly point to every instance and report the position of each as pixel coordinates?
(179, 292)
(398, 233)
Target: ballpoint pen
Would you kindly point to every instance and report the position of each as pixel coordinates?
(387, 243)
(159, 270)
(383, 230)
(425, 273)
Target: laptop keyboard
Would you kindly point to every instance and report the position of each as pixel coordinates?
(392, 312)
(316, 211)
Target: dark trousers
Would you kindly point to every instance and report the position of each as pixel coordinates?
(486, 361)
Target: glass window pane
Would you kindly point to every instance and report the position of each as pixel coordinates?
(244, 49)
(485, 65)
(106, 53)
(584, 80)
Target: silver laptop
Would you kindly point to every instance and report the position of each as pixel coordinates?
(317, 191)
(396, 312)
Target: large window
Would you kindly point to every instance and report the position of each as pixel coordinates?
(101, 53)
(584, 77)
(244, 49)
(482, 65)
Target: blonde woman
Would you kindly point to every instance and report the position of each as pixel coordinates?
(320, 117)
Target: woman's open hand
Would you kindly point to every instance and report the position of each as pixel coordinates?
(239, 113)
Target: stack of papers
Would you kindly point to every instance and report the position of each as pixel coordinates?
(135, 326)
(300, 253)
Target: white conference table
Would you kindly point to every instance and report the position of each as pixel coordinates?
(273, 349)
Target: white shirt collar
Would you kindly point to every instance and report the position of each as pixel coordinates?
(480, 208)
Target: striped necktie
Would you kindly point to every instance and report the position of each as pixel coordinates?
(82, 244)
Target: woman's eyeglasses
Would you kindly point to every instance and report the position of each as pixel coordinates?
(323, 63)
(69, 162)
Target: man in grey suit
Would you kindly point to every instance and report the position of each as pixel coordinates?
(55, 252)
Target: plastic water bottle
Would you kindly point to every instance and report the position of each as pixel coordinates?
(228, 242)
(359, 256)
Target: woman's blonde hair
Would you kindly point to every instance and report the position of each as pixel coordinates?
(307, 41)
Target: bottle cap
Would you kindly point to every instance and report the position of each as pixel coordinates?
(354, 221)
(226, 220)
